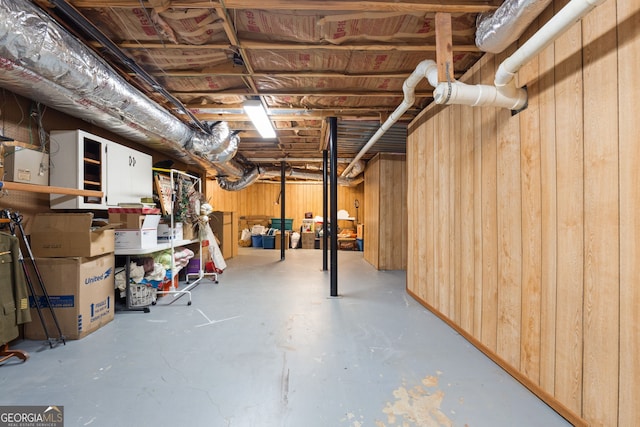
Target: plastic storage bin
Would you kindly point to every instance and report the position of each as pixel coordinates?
(269, 242)
(288, 223)
(256, 240)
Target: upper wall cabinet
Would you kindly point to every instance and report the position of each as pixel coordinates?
(84, 161)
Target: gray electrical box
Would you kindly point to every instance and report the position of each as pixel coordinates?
(26, 165)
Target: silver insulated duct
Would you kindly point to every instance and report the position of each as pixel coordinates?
(42, 61)
(497, 30)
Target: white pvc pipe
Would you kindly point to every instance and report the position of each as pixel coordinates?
(556, 26)
(480, 95)
(427, 68)
(505, 94)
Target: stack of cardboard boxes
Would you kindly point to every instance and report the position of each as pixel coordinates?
(137, 228)
(248, 221)
(76, 263)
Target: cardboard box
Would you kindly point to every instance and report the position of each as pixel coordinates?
(126, 220)
(308, 240)
(81, 291)
(69, 235)
(360, 231)
(279, 238)
(188, 231)
(141, 238)
(165, 235)
(347, 244)
(26, 165)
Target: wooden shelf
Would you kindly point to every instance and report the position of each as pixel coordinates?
(92, 161)
(33, 188)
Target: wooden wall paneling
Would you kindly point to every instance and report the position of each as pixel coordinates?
(371, 222)
(509, 221)
(466, 251)
(387, 217)
(429, 235)
(392, 230)
(401, 200)
(455, 192)
(569, 173)
(489, 217)
(260, 198)
(548, 257)
(444, 223)
(531, 221)
(415, 195)
(412, 196)
(601, 217)
(478, 258)
(421, 216)
(628, 90)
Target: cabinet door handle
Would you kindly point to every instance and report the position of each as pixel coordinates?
(132, 161)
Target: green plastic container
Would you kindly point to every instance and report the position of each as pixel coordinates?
(288, 223)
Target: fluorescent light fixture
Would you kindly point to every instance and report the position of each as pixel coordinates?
(258, 116)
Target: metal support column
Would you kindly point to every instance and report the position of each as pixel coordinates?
(325, 209)
(333, 124)
(282, 208)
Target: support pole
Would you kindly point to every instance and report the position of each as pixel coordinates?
(282, 208)
(325, 209)
(333, 124)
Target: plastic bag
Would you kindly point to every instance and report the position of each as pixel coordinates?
(214, 249)
(295, 238)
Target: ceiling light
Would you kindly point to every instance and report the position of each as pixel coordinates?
(258, 116)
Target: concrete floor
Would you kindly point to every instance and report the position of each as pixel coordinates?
(267, 347)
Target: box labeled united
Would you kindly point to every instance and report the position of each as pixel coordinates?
(81, 293)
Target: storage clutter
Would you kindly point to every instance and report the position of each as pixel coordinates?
(268, 238)
(152, 274)
(272, 239)
(80, 292)
(70, 235)
(277, 223)
(75, 260)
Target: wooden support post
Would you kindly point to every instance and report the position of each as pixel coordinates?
(444, 47)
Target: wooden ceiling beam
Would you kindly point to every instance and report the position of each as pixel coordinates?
(364, 6)
(304, 93)
(350, 114)
(301, 74)
(330, 5)
(260, 45)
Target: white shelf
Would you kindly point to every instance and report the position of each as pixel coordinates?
(157, 248)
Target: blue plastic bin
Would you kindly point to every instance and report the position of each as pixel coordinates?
(256, 240)
(269, 242)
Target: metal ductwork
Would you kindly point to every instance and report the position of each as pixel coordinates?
(40, 60)
(496, 31)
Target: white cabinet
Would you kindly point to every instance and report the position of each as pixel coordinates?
(129, 175)
(84, 161)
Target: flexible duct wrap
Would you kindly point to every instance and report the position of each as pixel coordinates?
(42, 61)
(497, 30)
